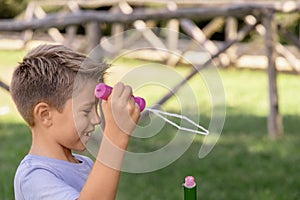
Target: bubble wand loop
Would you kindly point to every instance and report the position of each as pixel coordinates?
(103, 91)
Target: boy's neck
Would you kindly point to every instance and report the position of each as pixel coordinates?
(42, 152)
(50, 149)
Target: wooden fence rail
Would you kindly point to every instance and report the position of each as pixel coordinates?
(62, 20)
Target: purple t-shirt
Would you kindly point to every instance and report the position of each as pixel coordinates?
(39, 178)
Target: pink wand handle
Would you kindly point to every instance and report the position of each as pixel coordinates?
(103, 91)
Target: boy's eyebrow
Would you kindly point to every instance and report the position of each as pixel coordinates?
(92, 103)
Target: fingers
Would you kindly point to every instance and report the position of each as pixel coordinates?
(117, 90)
(136, 112)
(120, 110)
(122, 96)
(126, 94)
(122, 92)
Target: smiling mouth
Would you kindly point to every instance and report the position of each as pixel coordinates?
(88, 134)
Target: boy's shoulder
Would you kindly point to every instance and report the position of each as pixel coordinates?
(31, 160)
(36, 174)
(57, 167)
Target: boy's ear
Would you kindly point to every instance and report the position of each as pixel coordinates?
(42, 114)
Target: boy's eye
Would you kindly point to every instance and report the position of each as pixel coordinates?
(86, 111)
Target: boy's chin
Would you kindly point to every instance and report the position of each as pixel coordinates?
(84, 140)
(81, 148)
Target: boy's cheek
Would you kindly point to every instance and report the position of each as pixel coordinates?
(81, 124)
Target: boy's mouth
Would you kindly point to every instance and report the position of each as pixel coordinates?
(88, 134)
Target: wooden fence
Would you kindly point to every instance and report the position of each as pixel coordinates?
(258, 17)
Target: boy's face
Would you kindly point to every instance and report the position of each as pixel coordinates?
(75, 124)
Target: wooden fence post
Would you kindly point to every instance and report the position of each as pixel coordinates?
(274, 120)
(93, 34)
(28, 34)
(4, 86)
(72, 29)
(231, 29)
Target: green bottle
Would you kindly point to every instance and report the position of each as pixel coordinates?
(190, 188)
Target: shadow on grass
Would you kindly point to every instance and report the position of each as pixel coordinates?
(15, 140)
(244, 164)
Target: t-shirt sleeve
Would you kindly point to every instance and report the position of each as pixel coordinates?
(41, 184)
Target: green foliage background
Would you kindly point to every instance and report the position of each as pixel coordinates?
(11, 8)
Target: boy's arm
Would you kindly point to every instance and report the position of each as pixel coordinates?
(121, 115)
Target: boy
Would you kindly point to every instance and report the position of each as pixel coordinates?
(55, 96)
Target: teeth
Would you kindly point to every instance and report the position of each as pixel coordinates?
(88, 134)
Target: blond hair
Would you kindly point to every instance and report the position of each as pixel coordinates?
(48, 74)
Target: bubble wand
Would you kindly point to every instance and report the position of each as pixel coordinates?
(103, 91)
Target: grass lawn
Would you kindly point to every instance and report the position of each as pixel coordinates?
(244, 164)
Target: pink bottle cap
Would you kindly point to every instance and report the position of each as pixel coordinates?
(190, 182)
(141, 102)
(103, 91)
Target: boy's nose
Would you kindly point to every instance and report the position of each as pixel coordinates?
(96, 120)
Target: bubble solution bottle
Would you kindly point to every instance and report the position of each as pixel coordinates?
(190, 188)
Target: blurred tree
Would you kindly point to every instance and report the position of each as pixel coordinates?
(11, 8)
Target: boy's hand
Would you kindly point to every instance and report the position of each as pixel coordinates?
(121, 114)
